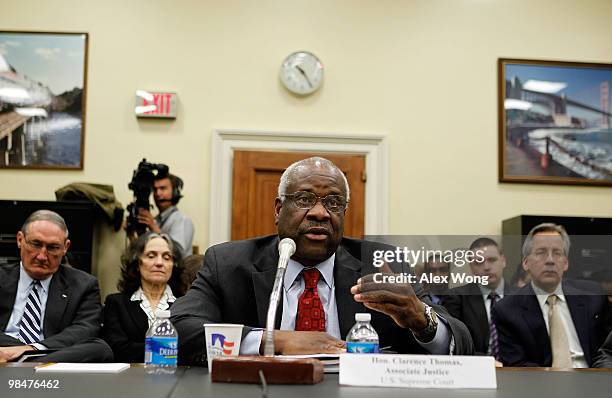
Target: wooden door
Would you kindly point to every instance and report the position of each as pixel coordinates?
(256, 175)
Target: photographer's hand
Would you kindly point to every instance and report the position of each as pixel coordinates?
(145, 217)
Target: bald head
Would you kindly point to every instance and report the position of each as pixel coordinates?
(308, 165)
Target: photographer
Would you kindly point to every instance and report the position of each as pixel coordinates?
(167, 193)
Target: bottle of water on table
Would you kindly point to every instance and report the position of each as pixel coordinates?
(161, 345)
(362, 338)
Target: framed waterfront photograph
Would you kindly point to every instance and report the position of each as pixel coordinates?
(554, 122)
(43, 87)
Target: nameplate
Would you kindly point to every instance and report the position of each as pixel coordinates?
(417, 371)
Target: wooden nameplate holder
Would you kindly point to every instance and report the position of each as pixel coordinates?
(276, 370)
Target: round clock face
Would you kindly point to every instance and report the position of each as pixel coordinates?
(302, 72)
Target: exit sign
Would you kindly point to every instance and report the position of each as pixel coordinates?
(156, 104)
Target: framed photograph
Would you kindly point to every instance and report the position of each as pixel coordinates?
(554, 122)
(43, 88)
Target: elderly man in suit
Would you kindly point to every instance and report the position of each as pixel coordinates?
(45, 305)
(551, 321)
(328, 280)
(472, 303)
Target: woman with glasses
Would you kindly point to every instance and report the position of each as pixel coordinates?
(150, 281)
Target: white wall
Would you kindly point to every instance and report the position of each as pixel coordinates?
(423, 72)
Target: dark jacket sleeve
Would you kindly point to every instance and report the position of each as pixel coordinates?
(124, 348)
(81, 320)
(512, 352)
(604, 355)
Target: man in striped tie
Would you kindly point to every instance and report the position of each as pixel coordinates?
(45, 305)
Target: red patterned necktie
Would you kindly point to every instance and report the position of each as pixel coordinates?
(310, 313)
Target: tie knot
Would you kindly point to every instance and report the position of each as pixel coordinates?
(493, 296)
(551, 300)
(311, 278)
(36, 284)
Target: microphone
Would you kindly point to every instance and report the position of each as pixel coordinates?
(286, 248)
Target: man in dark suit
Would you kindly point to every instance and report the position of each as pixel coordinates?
(551, 322)
(328, 280)
(47, 305)
(471, 303)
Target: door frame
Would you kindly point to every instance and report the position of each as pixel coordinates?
(224, 141)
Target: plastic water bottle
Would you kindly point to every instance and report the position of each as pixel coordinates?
(161, 345)
(362, 338)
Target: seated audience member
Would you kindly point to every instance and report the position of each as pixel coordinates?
(327, 273)
(150, 281)
(472, 303)
(551, 321)
(604, 355)
(191, 267)
(46, 305)
(436, 268)
(520, 277)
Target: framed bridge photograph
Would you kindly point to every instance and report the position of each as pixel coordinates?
(43, 78)
(554, 122)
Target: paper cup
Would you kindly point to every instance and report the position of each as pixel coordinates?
(222, 339)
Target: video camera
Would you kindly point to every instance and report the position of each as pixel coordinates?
(142, 186)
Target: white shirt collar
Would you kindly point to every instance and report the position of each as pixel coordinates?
(543, 295)
(326, 268)
(499, 290)
(167, 296)
(26, 280)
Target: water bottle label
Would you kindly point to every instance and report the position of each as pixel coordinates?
(161, 351)
(362, 347)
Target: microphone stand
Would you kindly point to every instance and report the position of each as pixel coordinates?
(274, 370)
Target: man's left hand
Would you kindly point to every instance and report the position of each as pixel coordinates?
(9, 353)
(397, 300)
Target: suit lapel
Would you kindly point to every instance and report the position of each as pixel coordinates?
(477, 307)
(137, 315)
(347, 269)
(57, 299)
(9, 280)
(263, 277)
(577, 304)
(532, 314)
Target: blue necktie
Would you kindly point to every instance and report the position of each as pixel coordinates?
(30, 325)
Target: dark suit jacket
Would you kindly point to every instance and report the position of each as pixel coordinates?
(523, 338)
(466, 304)
(72, 313)
(604, 355)
(125, 327)
(234, 286)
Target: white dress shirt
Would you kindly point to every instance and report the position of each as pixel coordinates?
(293, 287)
(24, 287)
(163, 304)
(576, 351)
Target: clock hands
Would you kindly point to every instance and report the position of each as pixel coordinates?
(304, 74)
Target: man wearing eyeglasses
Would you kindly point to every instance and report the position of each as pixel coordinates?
(551, 321)
(327, 281)
(45, 305)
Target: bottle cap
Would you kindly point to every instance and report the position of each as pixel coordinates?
(363, 317)
(162, 314)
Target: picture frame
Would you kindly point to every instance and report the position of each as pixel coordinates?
(43, 92)
(554, 122)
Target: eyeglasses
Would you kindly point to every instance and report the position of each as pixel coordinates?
(307, 200)
(542, 254)
(52, 249)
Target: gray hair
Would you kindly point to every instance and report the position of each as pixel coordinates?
(45, 215)
(546, 227)
(290, 172)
